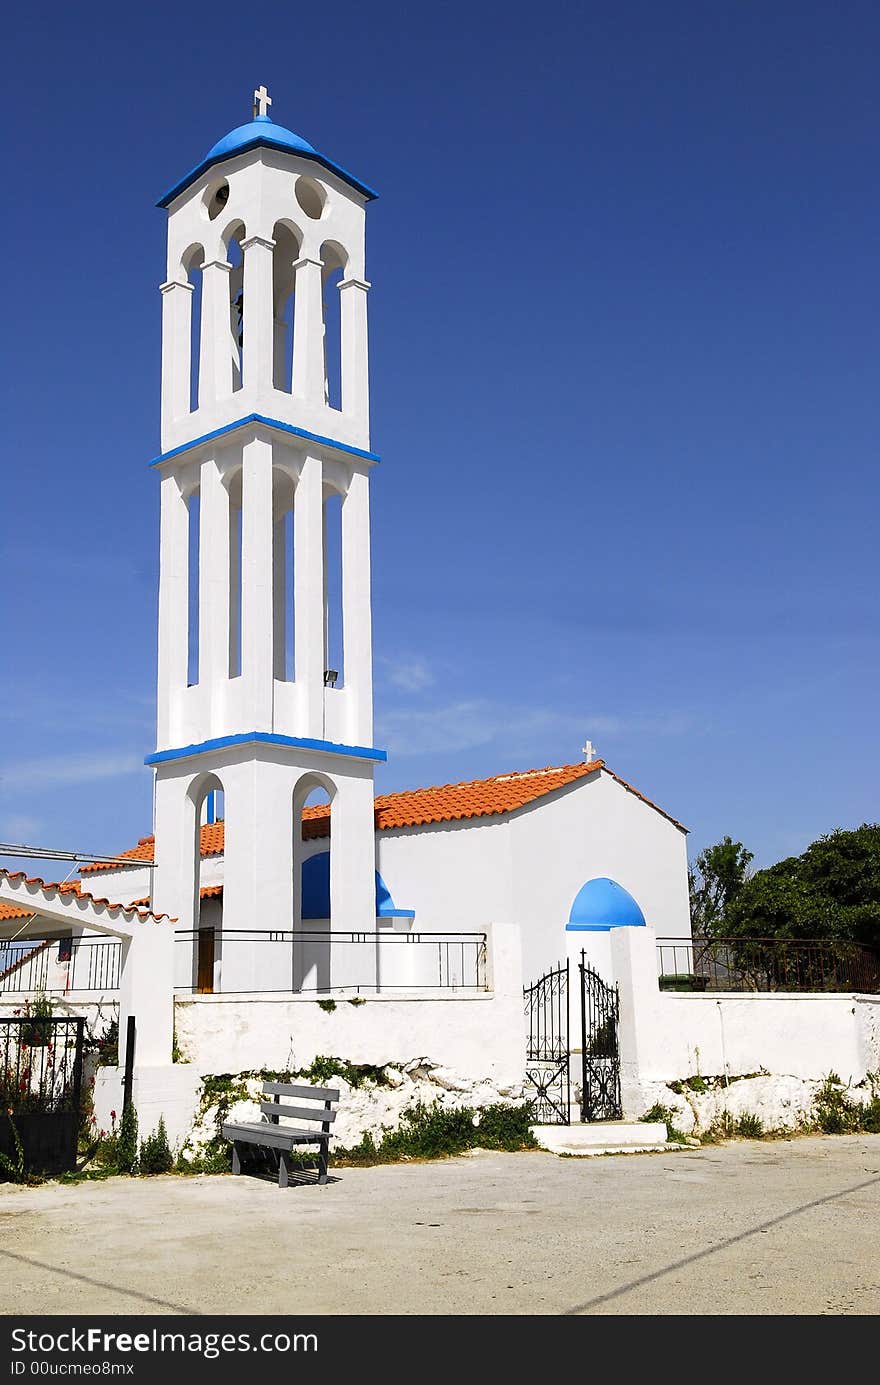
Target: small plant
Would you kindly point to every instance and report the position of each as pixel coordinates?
(38, 1031)
(750, 1126)
(834, 1112)
(328, 1006)
(107, 1047)
(667, 1114)
(127, 1141)
(358, 1000)
(156, 1156)
(14, 1169)
(697, 1083)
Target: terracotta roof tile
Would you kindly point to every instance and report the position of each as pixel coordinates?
(70, 887)
(473, 798)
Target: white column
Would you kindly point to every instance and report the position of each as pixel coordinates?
(213, 588)
(215, 351)
(259, 314)
(356, 611)
(173, 606)
(308, 601)
(355, 362)
(146, 990)
(308, 332)
(256, 582)
(176, 328)
(643, 1044)
(353, 855)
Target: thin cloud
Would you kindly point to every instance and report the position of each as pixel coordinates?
(84, 768)
(409, 674)
(467, 724)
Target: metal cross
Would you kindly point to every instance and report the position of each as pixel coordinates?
(262, 101)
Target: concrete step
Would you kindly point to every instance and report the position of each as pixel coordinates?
(603, 1137)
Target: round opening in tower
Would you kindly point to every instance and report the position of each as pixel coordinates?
(215, 199)
(311, 197)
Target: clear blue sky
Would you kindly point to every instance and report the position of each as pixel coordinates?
(624, 384)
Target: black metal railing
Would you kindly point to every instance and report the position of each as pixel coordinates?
(241, 960)
(41, 1061)
(59, 965)
(766, 964)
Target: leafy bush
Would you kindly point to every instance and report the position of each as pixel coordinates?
(749, 1126)
(436, 1132)
(13, 1170)
(127, 1141)
(835, 1113)
(658, 1112)
(156, 1156)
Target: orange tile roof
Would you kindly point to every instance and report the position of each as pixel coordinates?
(474, 798)
(69, 887)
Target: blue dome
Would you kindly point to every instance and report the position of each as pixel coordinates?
(601, 905)
(316, 891)
(261, 131)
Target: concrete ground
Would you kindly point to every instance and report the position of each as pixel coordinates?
(777, 1227)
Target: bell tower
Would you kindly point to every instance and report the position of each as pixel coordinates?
(264, 661)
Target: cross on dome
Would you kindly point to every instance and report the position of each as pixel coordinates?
(262, 101)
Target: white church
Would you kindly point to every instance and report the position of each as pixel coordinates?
(274, 875)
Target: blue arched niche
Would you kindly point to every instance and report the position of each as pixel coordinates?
(316, 892)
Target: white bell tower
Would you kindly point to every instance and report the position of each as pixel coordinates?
(265, 664)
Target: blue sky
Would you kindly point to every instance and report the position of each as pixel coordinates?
(624, 384)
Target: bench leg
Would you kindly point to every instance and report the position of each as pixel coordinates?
(283, 1168)
(322, 1162)
(236, 1158)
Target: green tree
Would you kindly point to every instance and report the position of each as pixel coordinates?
(714, 881)
(831, 891)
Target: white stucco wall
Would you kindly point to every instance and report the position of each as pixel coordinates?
(480, 1035)
(668, 1035)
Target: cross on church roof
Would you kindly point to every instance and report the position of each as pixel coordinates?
(262, 101)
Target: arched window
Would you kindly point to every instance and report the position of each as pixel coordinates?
(287, 247)
(312, 908)
(192, 267)
(283, 576)
(333, 626)
(235, 256)
(233, 486)
(207, 796)
(193, 507)
(334, 260)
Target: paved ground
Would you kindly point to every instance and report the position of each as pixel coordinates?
(781, 1227)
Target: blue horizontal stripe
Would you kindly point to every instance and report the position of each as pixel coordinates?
(358, 752)
(268, 423)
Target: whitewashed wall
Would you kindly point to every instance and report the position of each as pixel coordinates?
(667, 1035)
(480, 1035)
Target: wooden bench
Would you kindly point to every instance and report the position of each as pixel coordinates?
(282, 1138)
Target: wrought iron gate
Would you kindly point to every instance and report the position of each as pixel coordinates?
(600, 1047)
(548, 1053)
(41, 1062)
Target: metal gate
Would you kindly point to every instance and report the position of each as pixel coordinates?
(41, 1060)
(548, 1053)
(600, 1047)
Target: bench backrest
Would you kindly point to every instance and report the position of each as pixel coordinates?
(325, 1113)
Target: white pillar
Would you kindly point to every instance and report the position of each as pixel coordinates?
(213, 587)
(356, 612)
(176, 329)
(355, 363)
(215, 352)
(353, 856)
(146, 990)
(634, 961)
(308, 332)
(308, 557)
(259, 315)
(173, 605)
(256, 582)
